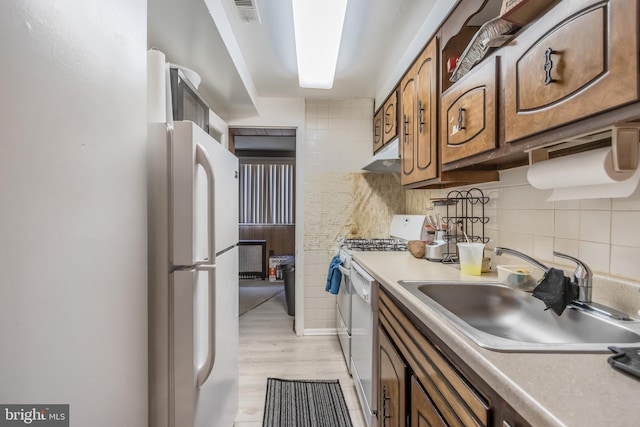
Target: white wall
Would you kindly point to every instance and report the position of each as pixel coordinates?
(73, 208)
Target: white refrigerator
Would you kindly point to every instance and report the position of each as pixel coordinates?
(193, 278)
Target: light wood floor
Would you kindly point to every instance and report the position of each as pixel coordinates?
(270, 348)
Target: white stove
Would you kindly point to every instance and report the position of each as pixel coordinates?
(355, 318)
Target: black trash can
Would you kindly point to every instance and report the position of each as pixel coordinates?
(289, 272)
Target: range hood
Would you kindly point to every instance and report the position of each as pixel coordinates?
(385, 160)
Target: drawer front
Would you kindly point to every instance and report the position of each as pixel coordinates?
(457, 401)
(469, 115)
(580, 59)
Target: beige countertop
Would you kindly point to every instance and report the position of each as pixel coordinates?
(547, 389)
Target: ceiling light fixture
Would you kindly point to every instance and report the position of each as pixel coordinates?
(318, 29)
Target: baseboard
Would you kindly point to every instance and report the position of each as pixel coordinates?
(321, 331)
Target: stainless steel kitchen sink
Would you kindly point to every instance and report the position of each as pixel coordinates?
(501, 318)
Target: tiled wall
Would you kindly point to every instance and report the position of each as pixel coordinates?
(604, 233)
(339, 201)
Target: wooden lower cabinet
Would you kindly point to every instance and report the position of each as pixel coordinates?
(392, 378)
(423, 411)
(422, 383)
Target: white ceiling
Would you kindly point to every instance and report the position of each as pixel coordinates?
(241, 62)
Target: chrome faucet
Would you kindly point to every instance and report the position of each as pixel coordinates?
(582, 278)
(499, 250)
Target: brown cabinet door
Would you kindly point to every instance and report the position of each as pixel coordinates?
(578, 60)
(407, 137)
(377, 131)
(468, 117)
(423, 411)
(392, 386)
(419, 132)
(390, 118)
(426, 123)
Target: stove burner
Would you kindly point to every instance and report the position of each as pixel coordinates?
(375, 244)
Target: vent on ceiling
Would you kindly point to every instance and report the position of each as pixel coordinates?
(248, 10)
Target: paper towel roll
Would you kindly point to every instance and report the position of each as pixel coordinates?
(588, 175)
(156, 87)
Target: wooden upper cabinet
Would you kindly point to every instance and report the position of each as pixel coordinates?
(389, 118)
(418, 118)
(469, 114)
(377, 131)
(578, 60)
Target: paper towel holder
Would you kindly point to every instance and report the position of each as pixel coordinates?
(625, 139)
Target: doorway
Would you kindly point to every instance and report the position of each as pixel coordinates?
(267, 159)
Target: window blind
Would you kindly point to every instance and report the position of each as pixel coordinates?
(267, 193)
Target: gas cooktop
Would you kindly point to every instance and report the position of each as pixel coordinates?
(375, 244)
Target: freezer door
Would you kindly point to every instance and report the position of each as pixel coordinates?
(192, 199)
(225, 169)
(205, 182)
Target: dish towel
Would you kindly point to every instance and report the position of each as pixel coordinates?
(334, 277)
(555, 290)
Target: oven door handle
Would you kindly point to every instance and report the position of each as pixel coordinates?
(344, 271)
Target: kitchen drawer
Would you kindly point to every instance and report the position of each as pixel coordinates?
(579, 59)
(469, 114)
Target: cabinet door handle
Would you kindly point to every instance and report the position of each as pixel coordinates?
(385, 397)
(421, 115)
(405, 121)
(548, 66)
(460, 122)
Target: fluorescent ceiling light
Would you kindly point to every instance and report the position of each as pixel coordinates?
(318, 30)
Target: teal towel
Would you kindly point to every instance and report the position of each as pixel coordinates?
(334, 277)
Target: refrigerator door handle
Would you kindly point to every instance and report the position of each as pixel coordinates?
(202, 158)
(205, 370)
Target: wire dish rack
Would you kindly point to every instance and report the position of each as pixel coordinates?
(465, 220)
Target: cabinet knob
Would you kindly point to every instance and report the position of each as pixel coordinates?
(385, 397)
(421, 115)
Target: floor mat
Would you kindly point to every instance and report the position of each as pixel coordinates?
(305, 403)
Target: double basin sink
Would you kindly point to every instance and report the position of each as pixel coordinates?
(501, 318)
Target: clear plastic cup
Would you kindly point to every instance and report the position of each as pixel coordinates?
(471, 255)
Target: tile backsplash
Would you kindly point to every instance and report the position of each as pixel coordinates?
(604, 233)
(341, 201)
